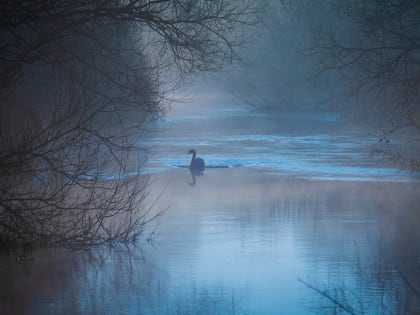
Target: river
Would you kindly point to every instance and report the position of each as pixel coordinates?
(293, 215)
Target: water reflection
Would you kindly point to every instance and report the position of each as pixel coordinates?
(197, 166)
(312, 145)
(237, 244)
(193, 175)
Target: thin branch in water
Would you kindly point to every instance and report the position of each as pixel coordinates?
(325, 294)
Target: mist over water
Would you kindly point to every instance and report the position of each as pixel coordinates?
(311, 145)
(289, 183)
(292, 215)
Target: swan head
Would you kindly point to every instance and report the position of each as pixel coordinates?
(191, 151)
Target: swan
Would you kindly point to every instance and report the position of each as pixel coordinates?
(197, 164)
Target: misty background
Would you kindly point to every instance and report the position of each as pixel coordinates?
(303, 196)
(353, 58)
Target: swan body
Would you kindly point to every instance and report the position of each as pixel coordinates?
(197, 164)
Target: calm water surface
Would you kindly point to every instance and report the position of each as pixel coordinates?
(284, 221)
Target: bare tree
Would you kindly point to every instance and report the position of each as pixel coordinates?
(78, 80)
(375, 50)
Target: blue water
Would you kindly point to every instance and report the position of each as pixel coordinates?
(293, 215)
(240, 242)
(318, 145)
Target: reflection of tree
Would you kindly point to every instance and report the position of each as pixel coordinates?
(77, 282)
(397, 251)
(383, 260)
(105, 280)
(77, 82)
(338, 300)
(407, 298)
(410, 284)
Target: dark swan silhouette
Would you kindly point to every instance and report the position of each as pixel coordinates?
(197, 164)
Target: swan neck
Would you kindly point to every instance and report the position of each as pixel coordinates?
(192, 159)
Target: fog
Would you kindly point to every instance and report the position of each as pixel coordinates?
(241, 241)
(210, 157)
(347, 58)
